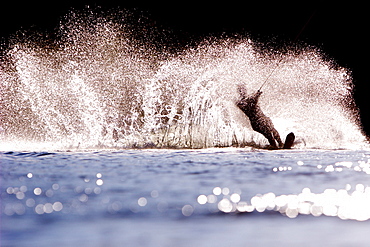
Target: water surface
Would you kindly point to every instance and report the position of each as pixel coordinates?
(185, 197)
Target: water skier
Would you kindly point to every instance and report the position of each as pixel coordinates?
(259, 121)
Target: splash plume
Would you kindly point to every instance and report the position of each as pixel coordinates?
(107, 81)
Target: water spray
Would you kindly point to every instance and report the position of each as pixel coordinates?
(102, 88)
(278, 63)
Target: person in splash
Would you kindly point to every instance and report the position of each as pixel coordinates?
(259, 121)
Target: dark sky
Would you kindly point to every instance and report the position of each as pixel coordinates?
(340, 30)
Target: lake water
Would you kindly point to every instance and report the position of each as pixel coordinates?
(113, 135)
(169, 197)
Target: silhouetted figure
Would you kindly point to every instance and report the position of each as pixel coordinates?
(289, 141)
(259, 121)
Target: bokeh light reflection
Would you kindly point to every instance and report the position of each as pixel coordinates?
(142, 201)
(202, 199)
(40, 199)
(37, 191)
(341, 203)
(187, 210)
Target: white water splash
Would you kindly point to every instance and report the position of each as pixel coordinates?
(99, 87)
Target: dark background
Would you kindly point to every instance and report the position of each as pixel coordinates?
(340, 30)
